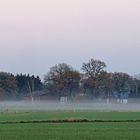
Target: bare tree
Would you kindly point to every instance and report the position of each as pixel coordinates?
(92, 70)
(121, 84)
(62, 79)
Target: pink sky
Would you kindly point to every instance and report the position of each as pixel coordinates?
(36, 34)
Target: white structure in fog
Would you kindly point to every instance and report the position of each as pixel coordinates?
(63, 100)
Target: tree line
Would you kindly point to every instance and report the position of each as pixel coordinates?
(63, 80)
(16, 87)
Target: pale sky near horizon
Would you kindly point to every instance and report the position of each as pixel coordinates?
(37, 34)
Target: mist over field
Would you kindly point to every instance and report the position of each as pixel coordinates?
(96, 105)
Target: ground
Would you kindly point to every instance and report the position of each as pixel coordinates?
(38, 126)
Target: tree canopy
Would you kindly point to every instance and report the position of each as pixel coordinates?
(63, 80)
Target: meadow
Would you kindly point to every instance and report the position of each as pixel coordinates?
(32, 125)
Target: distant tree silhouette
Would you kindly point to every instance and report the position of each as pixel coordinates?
(27, 84)
(62, 80)
(92, 71)
(8, 85)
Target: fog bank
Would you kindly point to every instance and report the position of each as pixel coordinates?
(17, 106)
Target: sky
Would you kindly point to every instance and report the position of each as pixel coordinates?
(37, 34)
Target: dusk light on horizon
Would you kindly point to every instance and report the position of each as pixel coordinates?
(37, 34)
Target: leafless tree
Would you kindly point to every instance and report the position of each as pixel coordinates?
(93, 70)
(62, 79)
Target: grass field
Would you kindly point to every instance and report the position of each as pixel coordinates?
(58, 115)
(69, 131)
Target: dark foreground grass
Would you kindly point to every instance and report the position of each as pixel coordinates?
(71, 131)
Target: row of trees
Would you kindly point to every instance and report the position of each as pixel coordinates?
(15, 87)
(63, 80)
